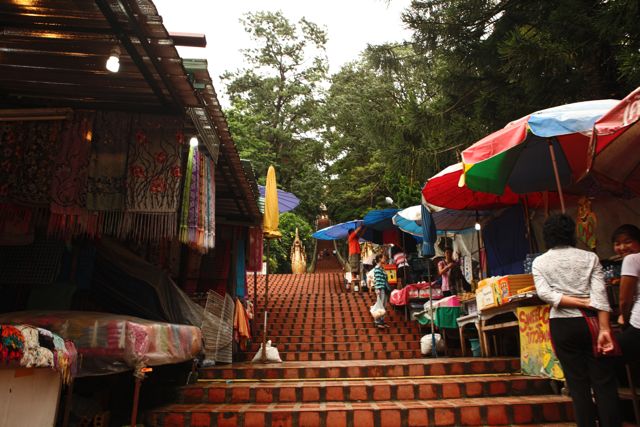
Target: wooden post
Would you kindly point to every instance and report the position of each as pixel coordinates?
(555, 173)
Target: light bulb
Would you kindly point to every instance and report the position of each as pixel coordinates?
(193, 142)
(113, 63)
(478, 226)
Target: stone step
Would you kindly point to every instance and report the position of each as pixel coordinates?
(364, 369)
(341, 338)
(525, 410)
(365, 345)
(369, 329)
(363, 390)
(293, 356)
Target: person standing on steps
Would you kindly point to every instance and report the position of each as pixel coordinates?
(353, 240)
(382, 288)
(572, 282)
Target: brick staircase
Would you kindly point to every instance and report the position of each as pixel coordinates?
(339, 370)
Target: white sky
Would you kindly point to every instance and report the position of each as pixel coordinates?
(350, 24)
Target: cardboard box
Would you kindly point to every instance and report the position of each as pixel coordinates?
(510, 285)
(488, 294)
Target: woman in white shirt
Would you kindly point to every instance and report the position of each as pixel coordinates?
(572, 282)
(626, 243)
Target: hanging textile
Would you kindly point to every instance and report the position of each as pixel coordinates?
(108, 171)
(192, 221)
(241, 328)
(16, 225)
(197, 216)
(241, 272)
(153, 177)
(186, 198)
(27, 150)
(69, 216)
(254, 249)
(210, 217)
(506, 243)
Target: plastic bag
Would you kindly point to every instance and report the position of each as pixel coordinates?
(426, 343)
(377, 310)
(273, 356)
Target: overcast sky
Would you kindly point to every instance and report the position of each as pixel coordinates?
(350, 24)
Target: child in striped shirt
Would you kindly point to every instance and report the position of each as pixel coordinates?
(382, 288)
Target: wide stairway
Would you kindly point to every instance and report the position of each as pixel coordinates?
(339, 370)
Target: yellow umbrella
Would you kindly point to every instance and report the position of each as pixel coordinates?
(271, 215)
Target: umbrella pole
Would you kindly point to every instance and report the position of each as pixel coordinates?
(255, 298)
(434, 352)
(555, 173)
(263, 357)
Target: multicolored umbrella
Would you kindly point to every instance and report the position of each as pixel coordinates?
(447, 190)
(542, 151)
(615, 144)
(286, 201)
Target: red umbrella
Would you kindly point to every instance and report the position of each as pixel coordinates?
(615, 144)
(443, 190)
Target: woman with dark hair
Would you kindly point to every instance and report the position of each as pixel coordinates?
(626, 243)
(572, 282)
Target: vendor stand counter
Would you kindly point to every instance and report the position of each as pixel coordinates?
(486, 326)
(446, 312)
(34, 364)
(109, 343)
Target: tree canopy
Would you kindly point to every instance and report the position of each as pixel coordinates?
(400, 113)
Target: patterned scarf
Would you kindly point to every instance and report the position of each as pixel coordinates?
(69, 216)
(197, 218)
(27, 151)
(254, 258)
(210, 213)
(108, 171)
(186, 191)
(153, 180)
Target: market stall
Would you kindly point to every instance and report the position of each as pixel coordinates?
(34, 365)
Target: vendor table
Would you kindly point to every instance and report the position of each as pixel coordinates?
(484, 316)
(472, 319)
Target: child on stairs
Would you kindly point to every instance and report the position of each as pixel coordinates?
(382, 288)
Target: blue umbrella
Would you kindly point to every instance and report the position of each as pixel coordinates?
(286, 201)
(380, 219)
(447, 220)
(337, 231)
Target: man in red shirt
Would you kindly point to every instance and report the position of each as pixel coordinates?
(354, 254)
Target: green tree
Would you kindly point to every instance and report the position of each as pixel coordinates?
(274, 102)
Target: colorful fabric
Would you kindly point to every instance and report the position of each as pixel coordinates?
(197, 215)
(69, 216)
(16, 226)
(106, 188)
(27, 151)
(255, 246)
(186, 198)
(153, 177)
(11, 344)
(210, 228)
(192, 221)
